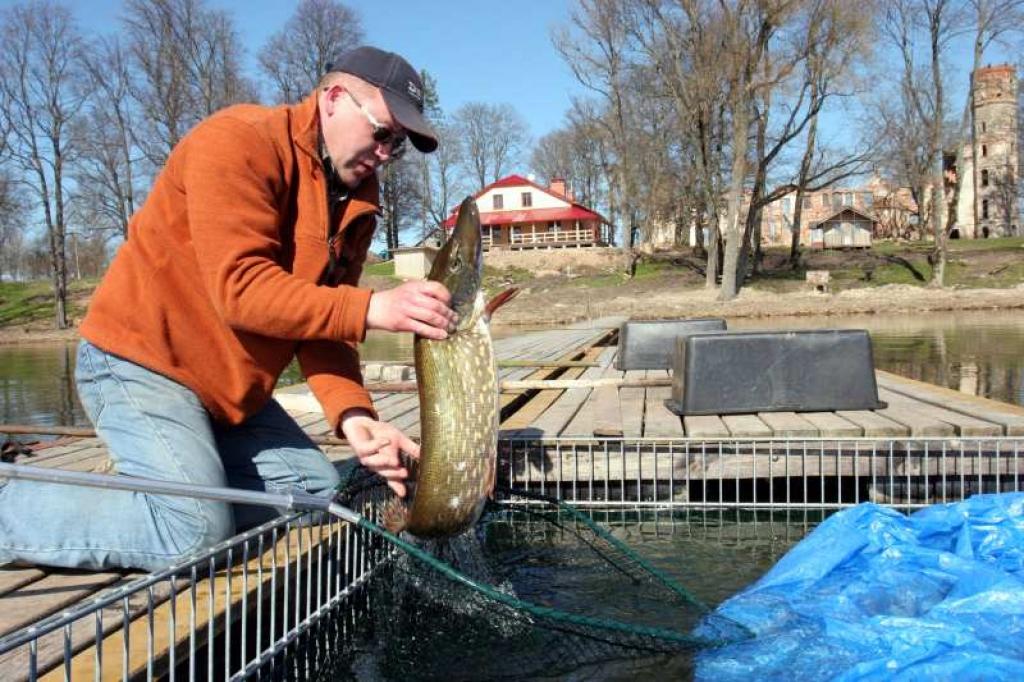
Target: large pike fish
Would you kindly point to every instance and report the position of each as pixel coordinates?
(458, 392)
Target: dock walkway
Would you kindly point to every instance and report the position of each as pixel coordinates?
(914, 410)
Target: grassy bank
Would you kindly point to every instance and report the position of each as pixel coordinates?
(23, 303)
(974, 264)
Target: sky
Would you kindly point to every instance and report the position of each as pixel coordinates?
(486, 51)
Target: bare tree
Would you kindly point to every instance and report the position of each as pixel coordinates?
(108, 171)
(297, 56)
(12, 227)
(397, 200)
(493, 136)
(599, 49)
(933, 23)
(439, 186)
(573, 154)
(436, 177)
(37, 70)
(188, 64)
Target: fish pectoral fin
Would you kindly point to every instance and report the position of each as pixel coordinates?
(499, 300)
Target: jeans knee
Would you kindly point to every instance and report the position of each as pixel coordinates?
(196, 526)
(322, 477)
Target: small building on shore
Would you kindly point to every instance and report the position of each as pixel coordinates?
(847, 228)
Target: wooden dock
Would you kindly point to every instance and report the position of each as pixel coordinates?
(915, 410)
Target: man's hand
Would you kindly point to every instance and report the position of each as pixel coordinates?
(419, 307)
(377, 445)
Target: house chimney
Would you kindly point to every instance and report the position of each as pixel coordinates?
(557, 186)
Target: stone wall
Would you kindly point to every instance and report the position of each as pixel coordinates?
(559, 261)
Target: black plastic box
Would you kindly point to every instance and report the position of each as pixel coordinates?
(794, 371)
(650, 344)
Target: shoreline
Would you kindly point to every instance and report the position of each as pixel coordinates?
(573, 305)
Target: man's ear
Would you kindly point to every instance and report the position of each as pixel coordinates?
(332, 93)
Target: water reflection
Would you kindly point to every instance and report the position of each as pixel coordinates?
(976, 352)
(981, 353)
(37, 385)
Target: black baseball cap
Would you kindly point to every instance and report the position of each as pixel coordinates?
(400, 85)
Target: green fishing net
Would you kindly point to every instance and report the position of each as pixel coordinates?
(537, 588)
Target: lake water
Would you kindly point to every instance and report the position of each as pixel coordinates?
(980, 353)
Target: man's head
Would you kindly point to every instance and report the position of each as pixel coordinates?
(370, 102)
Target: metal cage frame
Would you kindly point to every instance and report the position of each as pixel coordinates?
(309, 572)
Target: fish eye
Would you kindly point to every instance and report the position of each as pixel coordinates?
(455, 264)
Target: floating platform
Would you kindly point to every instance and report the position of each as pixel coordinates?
(221, 614)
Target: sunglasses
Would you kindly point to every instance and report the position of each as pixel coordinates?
(382, 134)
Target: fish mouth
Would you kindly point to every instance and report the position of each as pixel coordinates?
(459, 263)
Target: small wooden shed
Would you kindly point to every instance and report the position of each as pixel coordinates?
(847, 228)
(413, 262)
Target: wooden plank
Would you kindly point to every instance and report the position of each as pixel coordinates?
(631, 404)
(921, 425)
(1009, 417)
(788, 425)
(875, 425)
(299, 543)
(962, 424)
(43, 597)
(13, 577)
(831, 425)
(582, 424)
(558, 419)
(586, 464)
(563, 403)
(705, 426)
(746, 426)
(889, 380)
(606, 416)
(659, 421)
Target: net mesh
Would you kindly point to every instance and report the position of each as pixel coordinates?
(536, 588)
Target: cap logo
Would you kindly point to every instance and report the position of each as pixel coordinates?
(414, 91)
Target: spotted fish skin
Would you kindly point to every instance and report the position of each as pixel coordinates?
(457, 380)
(459, 409)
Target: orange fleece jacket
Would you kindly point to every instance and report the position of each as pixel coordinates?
(218, 284)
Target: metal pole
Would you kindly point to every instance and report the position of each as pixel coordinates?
(294, 501)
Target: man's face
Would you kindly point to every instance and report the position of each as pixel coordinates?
(349, 133)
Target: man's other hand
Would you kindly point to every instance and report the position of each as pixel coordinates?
(418, 307)
(377, 444)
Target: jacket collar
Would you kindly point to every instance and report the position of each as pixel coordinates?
(305, 131)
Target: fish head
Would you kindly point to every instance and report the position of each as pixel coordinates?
(459, 263)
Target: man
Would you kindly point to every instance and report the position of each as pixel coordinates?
(246, 254)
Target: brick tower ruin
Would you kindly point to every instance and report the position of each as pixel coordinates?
(988, 201)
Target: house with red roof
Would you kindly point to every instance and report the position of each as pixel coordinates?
(517, 213)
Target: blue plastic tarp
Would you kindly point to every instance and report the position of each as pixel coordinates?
(872, 594)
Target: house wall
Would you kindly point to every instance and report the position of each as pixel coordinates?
(512, 199)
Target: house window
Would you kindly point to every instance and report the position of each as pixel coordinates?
(787, 204)
(984, 150)
(527, 199)
(984, 209)
(982, 126)
(984, 178)
(499, 202)
(824, 200)
(553, 226)
(867, 199)
(807, 202)
(837, 200)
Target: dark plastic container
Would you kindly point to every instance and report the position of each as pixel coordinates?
(795, 371)
(650, 344)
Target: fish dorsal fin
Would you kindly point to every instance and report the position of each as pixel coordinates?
(499, 300)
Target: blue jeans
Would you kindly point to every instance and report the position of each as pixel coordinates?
(155, 428)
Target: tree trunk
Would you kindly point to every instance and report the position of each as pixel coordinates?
(730, 264)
